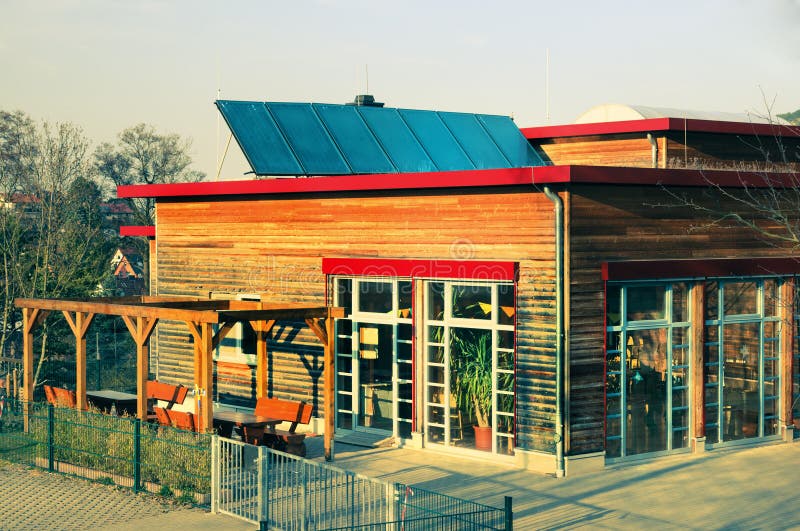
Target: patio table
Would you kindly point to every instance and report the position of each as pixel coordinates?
(226, 421)
(105, 399)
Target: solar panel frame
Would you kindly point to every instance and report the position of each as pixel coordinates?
(508, 139)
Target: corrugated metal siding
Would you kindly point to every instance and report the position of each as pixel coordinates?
(276, 246)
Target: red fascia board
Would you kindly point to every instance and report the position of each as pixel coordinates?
(667, 177)
(659, 124)
(601, 128)
(138, 230)
(382, 267)
(699, 268)
(346, 183)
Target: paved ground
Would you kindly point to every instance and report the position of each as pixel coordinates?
(746, 488)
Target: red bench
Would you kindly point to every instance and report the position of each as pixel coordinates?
(285, 440)
(171, 394)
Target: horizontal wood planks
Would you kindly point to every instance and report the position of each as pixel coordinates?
(274, 246)
(632, 150)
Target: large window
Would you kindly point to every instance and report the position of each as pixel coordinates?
(647, 371)
(469, 362)
(741, 359)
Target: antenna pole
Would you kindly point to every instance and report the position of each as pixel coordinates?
(547, 86)
(366, 71)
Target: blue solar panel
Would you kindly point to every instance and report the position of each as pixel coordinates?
(514, 146)
(259, 137)
(396, 139)
(439, 143)
(309, 140)
(481, 148)
(328, 139)
(355, 140)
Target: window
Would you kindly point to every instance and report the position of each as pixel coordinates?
(647, 371)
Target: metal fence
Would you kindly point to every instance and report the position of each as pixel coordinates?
(282, 491)
(119, 450)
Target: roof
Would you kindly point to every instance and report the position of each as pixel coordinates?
(463, 179)
(621, 119)
(614, 112)
(329, 139)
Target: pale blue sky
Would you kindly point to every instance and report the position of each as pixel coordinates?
(109, 64)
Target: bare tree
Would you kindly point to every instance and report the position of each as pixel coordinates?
(143, 156)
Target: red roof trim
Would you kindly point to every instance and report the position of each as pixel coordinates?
(138, 230)
(381, 267)
(345, 183)
(659, 124)
(722, 267)
(468, 179)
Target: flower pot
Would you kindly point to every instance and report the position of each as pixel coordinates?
(483, 438)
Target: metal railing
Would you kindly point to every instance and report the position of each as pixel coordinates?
(119, 450)
(282, 491)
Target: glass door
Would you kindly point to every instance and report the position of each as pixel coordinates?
(374, 363)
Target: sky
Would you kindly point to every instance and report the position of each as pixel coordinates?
(106, 65)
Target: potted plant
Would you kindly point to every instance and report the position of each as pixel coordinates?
(471, 366)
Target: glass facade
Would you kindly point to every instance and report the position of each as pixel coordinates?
(741, 360)
(647, 372)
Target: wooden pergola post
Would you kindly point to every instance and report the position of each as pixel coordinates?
(327, 335)
(141, 330)
(79, 325)
(204, 341)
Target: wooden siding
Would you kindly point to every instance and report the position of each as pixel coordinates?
(275, 246)
(618, 223)
(721, 151)
(633, 150)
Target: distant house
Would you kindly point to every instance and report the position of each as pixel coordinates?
(540, 284)
(129, 271)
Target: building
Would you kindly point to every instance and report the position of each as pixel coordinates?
(569, 289)
(128, 267)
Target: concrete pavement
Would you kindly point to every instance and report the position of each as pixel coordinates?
(742, 488)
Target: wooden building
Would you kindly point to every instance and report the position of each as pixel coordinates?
(582, 308)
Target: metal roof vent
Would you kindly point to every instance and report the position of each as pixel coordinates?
(366, 100)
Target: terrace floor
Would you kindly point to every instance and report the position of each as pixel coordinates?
(745, 488)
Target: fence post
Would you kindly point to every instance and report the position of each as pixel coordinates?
(51, 453)
(509, 514)
(137, 455)
(214, 474)
(261, 493)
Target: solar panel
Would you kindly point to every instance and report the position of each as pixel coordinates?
(329, 139)
(308, 138)
(355, 140)
(439, 143)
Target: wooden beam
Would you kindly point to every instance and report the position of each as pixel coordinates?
(696, 363)
(787, 309)
(144, 328)
(221, 333)
(319, 330)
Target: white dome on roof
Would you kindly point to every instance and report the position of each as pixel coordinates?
(615, 112)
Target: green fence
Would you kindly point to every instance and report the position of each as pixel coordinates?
(107, 448)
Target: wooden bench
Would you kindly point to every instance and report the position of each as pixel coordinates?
(285, 440)
(184, 420)
(171, 394)
(60, 397)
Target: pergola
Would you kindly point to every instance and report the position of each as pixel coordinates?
(141, 314)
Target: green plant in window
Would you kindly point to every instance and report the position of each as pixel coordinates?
(471, 372)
